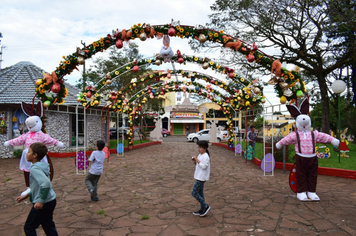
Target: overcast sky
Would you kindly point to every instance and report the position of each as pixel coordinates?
(42, 32)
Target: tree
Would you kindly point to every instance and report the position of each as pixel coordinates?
(295, 30)
(116, 59)
(346, 121)
(342, 29)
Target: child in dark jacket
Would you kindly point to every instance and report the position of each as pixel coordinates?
(41, 195)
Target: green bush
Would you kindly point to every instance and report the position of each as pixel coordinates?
(17, 152)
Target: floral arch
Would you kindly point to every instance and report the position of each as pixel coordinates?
(288, 84)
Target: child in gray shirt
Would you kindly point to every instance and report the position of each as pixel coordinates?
(91, 180)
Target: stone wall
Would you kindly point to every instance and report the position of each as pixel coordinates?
(58, 126)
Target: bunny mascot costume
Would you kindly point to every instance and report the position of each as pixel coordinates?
(34, 125)
(304, 141)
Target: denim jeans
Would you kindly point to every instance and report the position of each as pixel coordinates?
(198, 193)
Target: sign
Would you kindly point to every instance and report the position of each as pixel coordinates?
(193, 115)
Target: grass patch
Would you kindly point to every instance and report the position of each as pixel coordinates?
(145, 217)
(101, 212)
(7, 179)
(332, 162)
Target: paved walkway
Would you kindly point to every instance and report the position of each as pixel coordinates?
(147, 192)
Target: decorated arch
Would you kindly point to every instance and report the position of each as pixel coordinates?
(288, 84)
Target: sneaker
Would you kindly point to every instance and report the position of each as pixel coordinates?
(92, 193)
(205, 210)
(197, 213)
(95, 199)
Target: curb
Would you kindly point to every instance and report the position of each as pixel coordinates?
(112, 151)
(349, 174)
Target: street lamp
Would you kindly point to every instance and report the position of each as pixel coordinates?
(338, 87)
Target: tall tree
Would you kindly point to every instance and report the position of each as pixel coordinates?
(293, 30)
(342, 29)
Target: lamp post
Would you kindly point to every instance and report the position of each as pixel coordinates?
(338, 87)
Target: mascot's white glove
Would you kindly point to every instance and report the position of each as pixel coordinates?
(6, 144)
(278, 145)
(334, 142)
(60, 145)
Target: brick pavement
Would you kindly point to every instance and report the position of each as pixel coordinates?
(155, 183)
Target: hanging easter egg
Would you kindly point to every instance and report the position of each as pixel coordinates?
(202, 38)
(89, 94)
(169, 76)
(192, 79)
(283, 100)
(47, 103)
(176, 86)
(171, 32)
(149, 91)
(109, 81)
(153, 91)
(288, 92)
(143, 36)
(157, 79)
(299, 94)
(135, 69)
(158, 62)
(205, 65)
(247, 103)
(181, 60)
(268, 163)
(256, 90)
(81, 60)
(119, 43)
(231, 75)
(238, 149)
(56, 88)
(197, 88)
(108, 75)
(250, 58)
(167, 86)
(38, 82)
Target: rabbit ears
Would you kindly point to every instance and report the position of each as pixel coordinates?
(166, 40)
(303, 108)
(27, 109)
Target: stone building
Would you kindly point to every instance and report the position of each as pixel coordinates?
(63, 122)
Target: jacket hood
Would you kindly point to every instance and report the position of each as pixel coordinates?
(44, 166)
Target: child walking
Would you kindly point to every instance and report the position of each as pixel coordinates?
(91, 180)
(41, 194)
(201, 174)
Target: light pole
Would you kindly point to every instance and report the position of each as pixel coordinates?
(338, 87)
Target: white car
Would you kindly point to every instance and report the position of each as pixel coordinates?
(204, 135)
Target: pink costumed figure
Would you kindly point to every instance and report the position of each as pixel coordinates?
(34, 125)
(304, 141)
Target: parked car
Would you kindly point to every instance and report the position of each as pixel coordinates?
(165, 132)
(122, 131)
(204, 135)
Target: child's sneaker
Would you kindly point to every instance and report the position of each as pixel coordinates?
(95, 199)
(205, 210)
(197, 213)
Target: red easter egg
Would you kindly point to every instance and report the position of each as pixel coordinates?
(89, 94)
(135, 69)
(56, 88)
(119, 43)
(250, 58)
(181, 60)
(171, 32)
